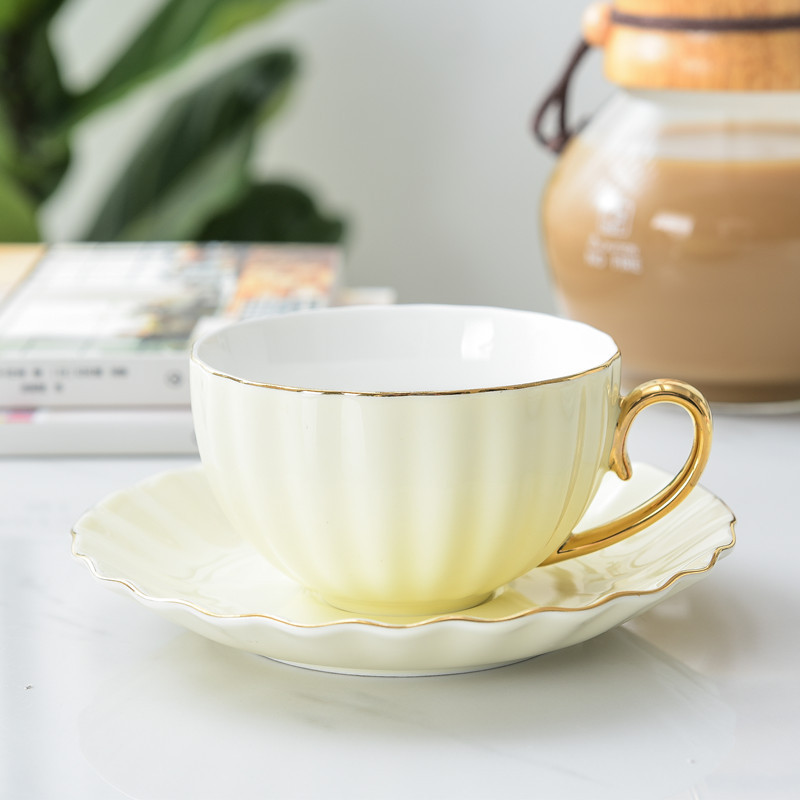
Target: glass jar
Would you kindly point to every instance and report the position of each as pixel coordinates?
(672, 221)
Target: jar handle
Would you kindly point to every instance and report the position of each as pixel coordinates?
(595, 26)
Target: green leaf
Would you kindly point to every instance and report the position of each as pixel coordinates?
(17, 212)
(33, 103)
(38, 74)
(202, 145)
(8, 145)
(273, 212)
(17, 13)
(180, 29)
(214, 179)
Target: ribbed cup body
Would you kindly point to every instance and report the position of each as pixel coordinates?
(414, 504)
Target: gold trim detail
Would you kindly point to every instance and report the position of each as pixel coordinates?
(459, 617)
(676, 491)
(442, 393)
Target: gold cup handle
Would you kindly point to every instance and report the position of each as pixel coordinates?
(658, 391)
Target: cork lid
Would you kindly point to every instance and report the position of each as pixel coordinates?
(738, 45)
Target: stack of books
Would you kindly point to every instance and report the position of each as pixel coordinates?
(95, 338)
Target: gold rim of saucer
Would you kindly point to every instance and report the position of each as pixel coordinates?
(419, 393)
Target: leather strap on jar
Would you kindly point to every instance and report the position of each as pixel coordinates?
(556, 100)
(712, 24)
(751, 52)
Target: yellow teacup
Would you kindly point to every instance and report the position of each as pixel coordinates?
(411, 460)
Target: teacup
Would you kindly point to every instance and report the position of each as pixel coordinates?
(412, 460)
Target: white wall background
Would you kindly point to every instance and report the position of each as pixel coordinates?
(411, 118)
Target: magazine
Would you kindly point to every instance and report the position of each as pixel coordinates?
(103, 325)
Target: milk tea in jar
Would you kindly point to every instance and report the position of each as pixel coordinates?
(672, 220)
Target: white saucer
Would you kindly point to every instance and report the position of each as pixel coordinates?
(166, 543)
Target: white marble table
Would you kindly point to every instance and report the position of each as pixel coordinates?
(698, 698)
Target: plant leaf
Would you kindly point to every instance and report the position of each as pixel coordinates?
(8, 145)
(273, 212)
(31, 84)
(33, 102)
(17, 13)
(17, 212)
(202, 144)
(178, 30)
(214, 179)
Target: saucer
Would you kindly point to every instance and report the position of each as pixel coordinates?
(166, 543)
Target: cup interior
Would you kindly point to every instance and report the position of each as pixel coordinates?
(404, 349)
